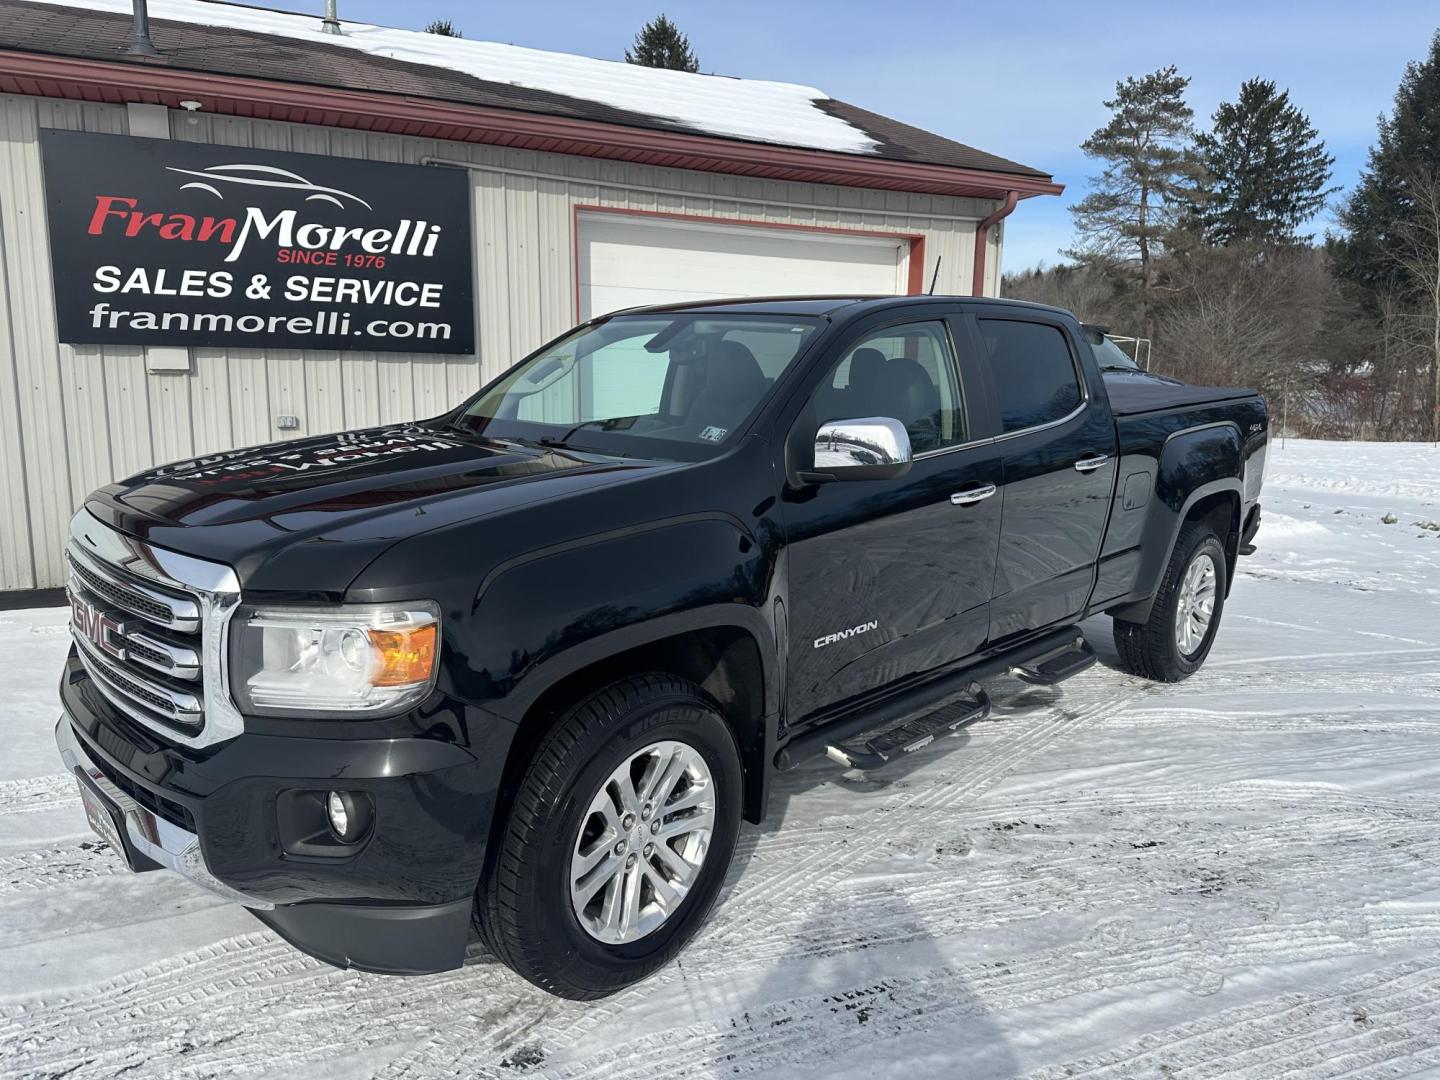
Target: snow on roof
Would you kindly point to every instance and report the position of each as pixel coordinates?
(773, 112)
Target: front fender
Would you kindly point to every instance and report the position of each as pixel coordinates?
(566, 607)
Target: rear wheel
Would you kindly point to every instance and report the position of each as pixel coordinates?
(618, 839)
(1174, 642)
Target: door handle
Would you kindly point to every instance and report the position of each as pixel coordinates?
(1091, 462)
(971, 496)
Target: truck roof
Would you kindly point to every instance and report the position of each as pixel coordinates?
(852, 306)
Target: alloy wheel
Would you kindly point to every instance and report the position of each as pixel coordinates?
(642, 842)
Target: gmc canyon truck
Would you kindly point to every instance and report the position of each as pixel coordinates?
(525, 667)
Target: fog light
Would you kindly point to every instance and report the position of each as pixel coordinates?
(344, 822)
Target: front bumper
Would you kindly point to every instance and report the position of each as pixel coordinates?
(399, 902)
(162, 842)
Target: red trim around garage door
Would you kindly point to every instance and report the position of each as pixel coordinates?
(915, 263)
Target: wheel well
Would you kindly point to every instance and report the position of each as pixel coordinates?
(1221, 511)
(723, 661)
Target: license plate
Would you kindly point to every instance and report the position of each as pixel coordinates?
(103, 818)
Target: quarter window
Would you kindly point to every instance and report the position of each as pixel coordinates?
(906, 373)
(1034, 372)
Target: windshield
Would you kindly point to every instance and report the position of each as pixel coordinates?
(668, 385)
(1108, 355)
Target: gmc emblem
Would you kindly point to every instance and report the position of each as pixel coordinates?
(100, 628)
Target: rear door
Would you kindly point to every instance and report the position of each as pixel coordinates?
(1058, 442)
(889, 578)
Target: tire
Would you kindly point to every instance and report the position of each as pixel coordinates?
(1151, 648)
(524, 907)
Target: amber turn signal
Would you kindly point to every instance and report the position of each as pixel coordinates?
(404, 657)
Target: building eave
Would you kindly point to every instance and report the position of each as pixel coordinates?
(120, 82)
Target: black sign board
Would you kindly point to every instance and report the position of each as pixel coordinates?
(157, 242)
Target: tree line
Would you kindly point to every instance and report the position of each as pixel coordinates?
(1194, 240)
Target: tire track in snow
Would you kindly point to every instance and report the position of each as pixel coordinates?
(1384, 1023)
(37, 793)
(57, 866)
(808, 1031)
(1329, 856)
(970, 781)
(187, 1010)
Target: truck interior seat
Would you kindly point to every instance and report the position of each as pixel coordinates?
(733, 383)
(908, 394)
(867, 368)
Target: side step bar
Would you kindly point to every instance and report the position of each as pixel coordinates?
(871, 749)
(918, 702)
(1057, 665)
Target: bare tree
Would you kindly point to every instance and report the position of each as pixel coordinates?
(1247, 315)
(1082, 288)
(1417, 249)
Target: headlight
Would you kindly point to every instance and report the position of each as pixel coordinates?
(353, 659)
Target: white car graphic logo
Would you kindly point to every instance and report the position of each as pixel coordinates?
(264, 176)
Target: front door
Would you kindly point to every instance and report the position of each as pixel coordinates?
(888, 578)
(1059, 470)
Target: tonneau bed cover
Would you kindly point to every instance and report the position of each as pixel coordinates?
(1139, 392)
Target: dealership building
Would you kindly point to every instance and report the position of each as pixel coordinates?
(272, 226)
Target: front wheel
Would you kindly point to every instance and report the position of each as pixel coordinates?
(618, 839)
(1175, 640)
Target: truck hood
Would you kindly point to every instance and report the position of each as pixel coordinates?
(307, 516)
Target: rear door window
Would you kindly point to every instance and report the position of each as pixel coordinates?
(1034, 372)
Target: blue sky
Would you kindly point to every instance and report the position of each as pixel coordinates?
(1022, 80)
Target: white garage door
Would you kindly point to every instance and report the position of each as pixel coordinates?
(627, 260)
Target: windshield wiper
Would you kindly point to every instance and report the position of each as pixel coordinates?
(564, 440)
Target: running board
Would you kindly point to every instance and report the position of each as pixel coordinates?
(1057, 666)
(871, 749)
(921, 699)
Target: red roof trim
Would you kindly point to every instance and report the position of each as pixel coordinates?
(94, 80)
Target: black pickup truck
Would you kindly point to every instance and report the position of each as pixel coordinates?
(526, 666)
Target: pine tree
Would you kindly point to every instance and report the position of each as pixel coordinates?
(1408, 143)
(1266, 169)
(443, 27)
(660, 44)
(1138, 202)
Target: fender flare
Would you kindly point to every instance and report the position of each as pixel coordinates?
(749, 620)
(1162, 530)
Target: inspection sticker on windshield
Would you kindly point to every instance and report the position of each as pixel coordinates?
(714, 434)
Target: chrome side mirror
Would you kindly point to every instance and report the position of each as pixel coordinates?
(870, 448)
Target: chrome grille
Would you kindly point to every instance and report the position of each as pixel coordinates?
(150, 628)
(176, 612)
(164, 703)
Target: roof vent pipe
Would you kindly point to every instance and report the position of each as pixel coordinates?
(331, 23)
(140, 43)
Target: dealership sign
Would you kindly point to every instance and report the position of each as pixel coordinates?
(157, 242)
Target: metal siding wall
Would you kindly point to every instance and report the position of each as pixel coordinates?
(75, 418)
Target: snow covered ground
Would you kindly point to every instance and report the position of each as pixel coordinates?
(1237, 876)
